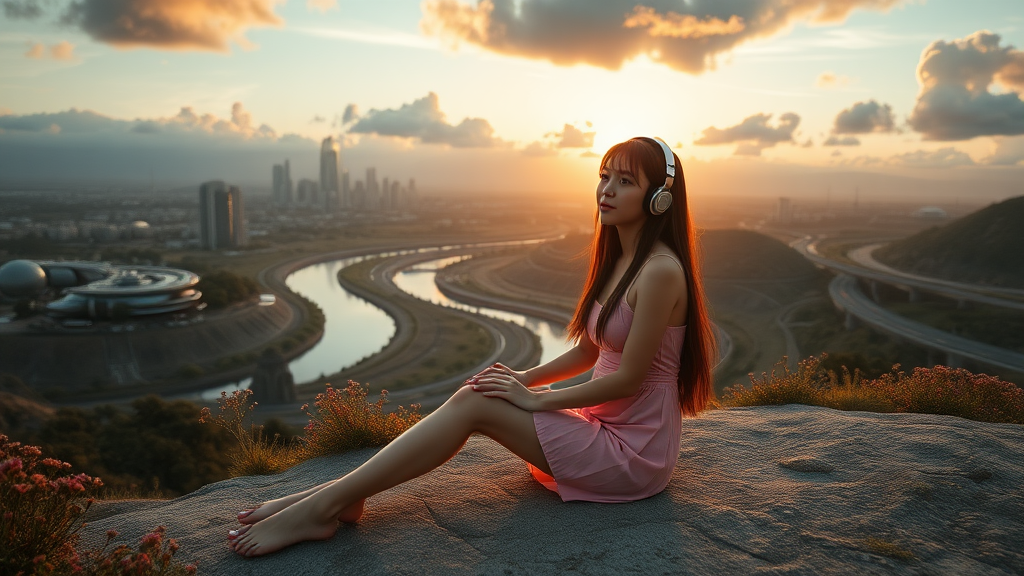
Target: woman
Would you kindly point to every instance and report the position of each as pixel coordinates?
(614, 438)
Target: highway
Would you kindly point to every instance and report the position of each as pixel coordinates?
(807, 246)
(847, 295)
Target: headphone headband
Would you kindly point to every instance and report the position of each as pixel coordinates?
(659, 199)
(670, 163)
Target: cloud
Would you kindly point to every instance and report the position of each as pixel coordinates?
(22, 9)
(675, 25)
(864, 118)
(573, 137)
(686, 36)
(956, 101)
(947, 157)
(831, 80)
(351, 114)
(63, 50)
(186, 121)
(36, 50)
(322, 5)
(171, 25)
(842, 141)
(941, 158)
(1008, 152)
(422, 119)
(540, 150)
(318, 119)
(753, 134)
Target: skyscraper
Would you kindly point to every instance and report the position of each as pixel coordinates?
(221, 216)
(329, 188)
(372, 190)
(282, 184)
(309, 193)
(346, 191)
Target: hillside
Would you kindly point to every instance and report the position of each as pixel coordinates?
(983, 247)
(747, 255)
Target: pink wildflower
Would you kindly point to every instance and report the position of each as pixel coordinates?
(22, 488)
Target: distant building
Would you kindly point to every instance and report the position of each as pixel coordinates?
(394, 202)
(784, 211)
(308, 193)
(346, 191)
(359, 196)
(372, 190)
(329, 187)
(282, 184)
(385, 197)
(221, 216)
(930, 213)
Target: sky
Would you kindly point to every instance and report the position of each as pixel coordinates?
(895, 98)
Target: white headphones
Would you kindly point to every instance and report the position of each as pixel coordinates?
(659, 199)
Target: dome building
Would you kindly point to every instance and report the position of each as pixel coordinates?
(98, 291)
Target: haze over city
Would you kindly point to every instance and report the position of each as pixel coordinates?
(772, 98)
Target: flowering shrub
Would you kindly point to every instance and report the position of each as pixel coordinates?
(953, 391)
(781, 385)
(938, 390)
(42, 504)
(154, 556)
(42, 507)
(344, 421)
(255, 455)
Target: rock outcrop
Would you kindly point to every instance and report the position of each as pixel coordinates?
(773, 489)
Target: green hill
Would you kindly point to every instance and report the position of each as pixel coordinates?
(984, 247)
(747, 255)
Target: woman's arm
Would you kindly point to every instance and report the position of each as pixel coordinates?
(572, 362)
(659, 287)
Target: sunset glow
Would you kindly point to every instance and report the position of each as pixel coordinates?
(438, 83)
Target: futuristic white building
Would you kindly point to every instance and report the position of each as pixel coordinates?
(96, 290)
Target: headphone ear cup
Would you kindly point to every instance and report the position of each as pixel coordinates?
(658, 200)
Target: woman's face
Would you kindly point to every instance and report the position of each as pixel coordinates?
(620, 195)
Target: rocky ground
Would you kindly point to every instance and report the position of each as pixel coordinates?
(774, 490)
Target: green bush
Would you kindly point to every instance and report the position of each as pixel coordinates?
(222, 287)
(157, 445)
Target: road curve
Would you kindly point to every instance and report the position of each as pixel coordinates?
(807, 246)
(847, 295)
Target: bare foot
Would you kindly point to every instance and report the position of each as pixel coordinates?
(349, 515)
(271, 507)
(304, 520)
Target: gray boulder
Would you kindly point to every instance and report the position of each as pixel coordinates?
(769, 490)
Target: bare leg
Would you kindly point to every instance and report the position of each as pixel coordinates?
(271, 507)
(425, 446)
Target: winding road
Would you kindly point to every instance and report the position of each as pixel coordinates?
(847, 295)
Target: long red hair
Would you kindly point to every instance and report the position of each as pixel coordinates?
(674, 228)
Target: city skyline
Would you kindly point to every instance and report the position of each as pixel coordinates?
(752, 100)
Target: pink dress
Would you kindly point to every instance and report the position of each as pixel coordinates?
(621, 450)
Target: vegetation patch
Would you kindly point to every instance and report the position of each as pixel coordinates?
(938, 390)
(43, 503)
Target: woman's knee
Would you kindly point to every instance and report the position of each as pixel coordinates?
(474, 404)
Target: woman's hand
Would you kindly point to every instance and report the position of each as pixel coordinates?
(503, 384)
(499, 368)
